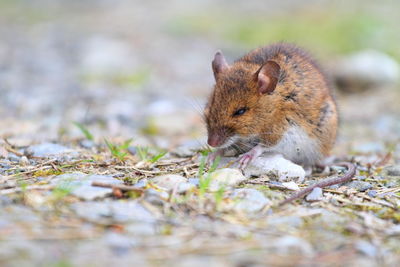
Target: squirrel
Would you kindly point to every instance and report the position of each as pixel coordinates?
(275, 99)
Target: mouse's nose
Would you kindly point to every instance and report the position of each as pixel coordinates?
(214, 140)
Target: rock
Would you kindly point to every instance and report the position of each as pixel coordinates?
(116, 211)
(168, 181)
(359, 71)
(292, 221)
(249, 200)
(184, 187)
(80, 185)
(34, 199)
(120, 244)
(24, 161)
(141, 229)
(339, 169)
(393, 230)
(173, 182)
(359, 185)
(12, 157)
(3, 153)
(132, 150)
(393, 170)
(315, 195)
(291, 244)
(372, 193)
(275, 165)
(225, 178)
(5, 200)
(88, 144)
(366, 248)
(291, 186)
(46, 150)
(142, 183)
(5, 166)
(390, 184)
(156, 197)
(194, 181)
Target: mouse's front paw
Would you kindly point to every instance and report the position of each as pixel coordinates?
(245, 160)
(248, 157)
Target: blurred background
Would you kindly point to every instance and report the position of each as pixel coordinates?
(142, 69)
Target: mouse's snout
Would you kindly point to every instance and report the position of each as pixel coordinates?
(215, 140)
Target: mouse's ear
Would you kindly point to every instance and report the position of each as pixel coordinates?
(267, 77)
(219, 64)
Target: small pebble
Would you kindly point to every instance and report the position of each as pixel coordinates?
(194, 181)
(249, 200)
(116, 211)
(359, 185)
(360, 178)
(291, 186)
(391, 184)
(357, 71)
(23, 161)
(169, 181)
(315, 195)
(142, 183)
(184, 187)
(132, 150)
(156, 197)
(80, 185)
(119, 243)
(366, 248)
(393, 170)
(12, 157)
(224, 178)
(372, 193)
(88, 144)
(47, 150)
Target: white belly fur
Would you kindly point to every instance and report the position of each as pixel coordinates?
(297, 146)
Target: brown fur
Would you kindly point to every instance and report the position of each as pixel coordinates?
(302, 97)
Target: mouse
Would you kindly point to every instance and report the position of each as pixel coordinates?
(274, 99)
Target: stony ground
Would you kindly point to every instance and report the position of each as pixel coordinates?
(102, 148)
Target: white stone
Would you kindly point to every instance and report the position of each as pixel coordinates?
(172, 182)
(80, 185)
(113, 212)
(46, 150)
(291, 186)
(225, 178)
(315, 195)
(277, 165)
(249, 200)
(366, 69)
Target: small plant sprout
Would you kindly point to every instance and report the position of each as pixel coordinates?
(144, 154)
(219, 196)
(119, 151)
(205, 180)
(157, 157)
(88, 135)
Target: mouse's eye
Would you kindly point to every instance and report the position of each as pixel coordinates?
(240, 111)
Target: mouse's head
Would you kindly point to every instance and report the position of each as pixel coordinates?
(233, 110)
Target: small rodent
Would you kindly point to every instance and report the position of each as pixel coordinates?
(273, 99)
